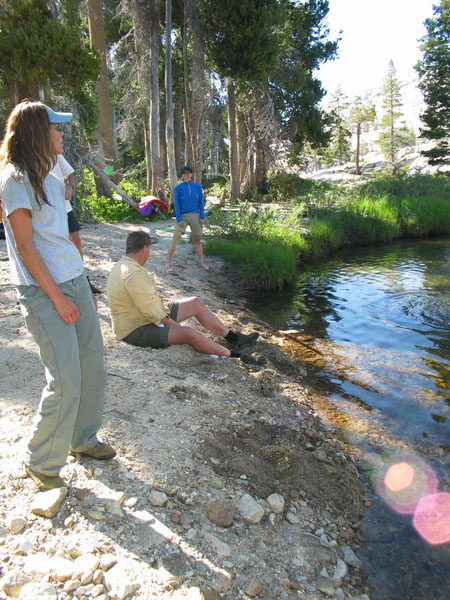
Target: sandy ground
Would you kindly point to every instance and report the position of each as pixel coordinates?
(199, 430)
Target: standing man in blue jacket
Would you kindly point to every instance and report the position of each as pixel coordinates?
(189, 210)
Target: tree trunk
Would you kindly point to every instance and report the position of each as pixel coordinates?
(170, 141)
(358, 137)
(242, 152)
(178, 126)
(194, 82)
(105, 139)
(232, 134)
(155, 44)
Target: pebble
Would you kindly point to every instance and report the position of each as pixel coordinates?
(276, 503)
(46, 504)
(35, 590)
(254, 587)
(15, 525)
(157, 498)
(350, 557)
(252, 512)
(292, 519)
(13, 582)
(221, 512)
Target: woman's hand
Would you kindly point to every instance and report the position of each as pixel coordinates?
(66, 309)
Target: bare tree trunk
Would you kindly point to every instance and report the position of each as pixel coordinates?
(178, 118)
(232, 134)
(155, 44)
(107, 155)
(170, 135)
(242, 152)
(141, 23)
(194, 82)
(358, 138)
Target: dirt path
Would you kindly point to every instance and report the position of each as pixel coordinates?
(214, 437)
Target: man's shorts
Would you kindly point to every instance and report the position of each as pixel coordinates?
(193, 220)
(73, 222)
(150, 335)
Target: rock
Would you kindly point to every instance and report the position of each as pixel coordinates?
(350, 557)
(35, 590)
(157, 498)
(107, 561)
(123, 579)
(46, 504)
(12, 583)
(97, 590)
(86, 563)
(292, 519)
(254, 587)
(61, 569)
(222, 582)
(195, 593)
(340, 571)
(251, 511)
(36, 565)
(325, 586)
(15, 525)
(175, 565)
(276, 503)
(222, 549)
(221, 512)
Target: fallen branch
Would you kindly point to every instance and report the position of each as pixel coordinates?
(114, 187)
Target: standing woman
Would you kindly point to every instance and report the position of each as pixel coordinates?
(189, 210)
(53, 293)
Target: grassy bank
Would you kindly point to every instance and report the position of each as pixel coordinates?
(269, 242)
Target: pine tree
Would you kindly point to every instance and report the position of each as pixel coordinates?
(434, 71)
(40, 50)
(394, 135)
(360, 115)
(339, 149)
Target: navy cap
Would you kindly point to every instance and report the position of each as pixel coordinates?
(58, 117)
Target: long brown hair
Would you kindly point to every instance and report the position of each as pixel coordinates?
(28, 145)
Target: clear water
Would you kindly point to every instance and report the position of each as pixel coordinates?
(372, 329)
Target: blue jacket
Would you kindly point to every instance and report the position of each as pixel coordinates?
(188, 198)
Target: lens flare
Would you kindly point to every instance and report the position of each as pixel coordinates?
(405, 481)
(109, 170)
(399, 477)
(432, 518)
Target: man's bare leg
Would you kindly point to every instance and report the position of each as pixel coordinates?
(179, 334)
(194, 307)
(199, 251)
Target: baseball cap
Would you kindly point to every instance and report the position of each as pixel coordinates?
(186, 168)
(58, 117)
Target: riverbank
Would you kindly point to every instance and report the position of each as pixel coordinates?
(203, 442)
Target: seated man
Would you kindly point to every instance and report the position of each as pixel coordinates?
(139, 316)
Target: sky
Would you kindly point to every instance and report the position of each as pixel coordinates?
(373, 33)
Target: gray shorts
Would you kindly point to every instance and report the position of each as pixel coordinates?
(193, 220)
(151, 335)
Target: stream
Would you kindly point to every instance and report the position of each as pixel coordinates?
(371, 327)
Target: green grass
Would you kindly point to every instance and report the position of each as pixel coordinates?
(270, 242)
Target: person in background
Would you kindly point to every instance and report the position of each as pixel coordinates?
(189, 210)
(142, 318)
(64, 171)
(53, 293)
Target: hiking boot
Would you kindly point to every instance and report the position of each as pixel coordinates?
(101, 451)
(245, 339)
(44, 482)
(253, 359)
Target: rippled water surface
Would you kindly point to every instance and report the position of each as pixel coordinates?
(372, 328)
